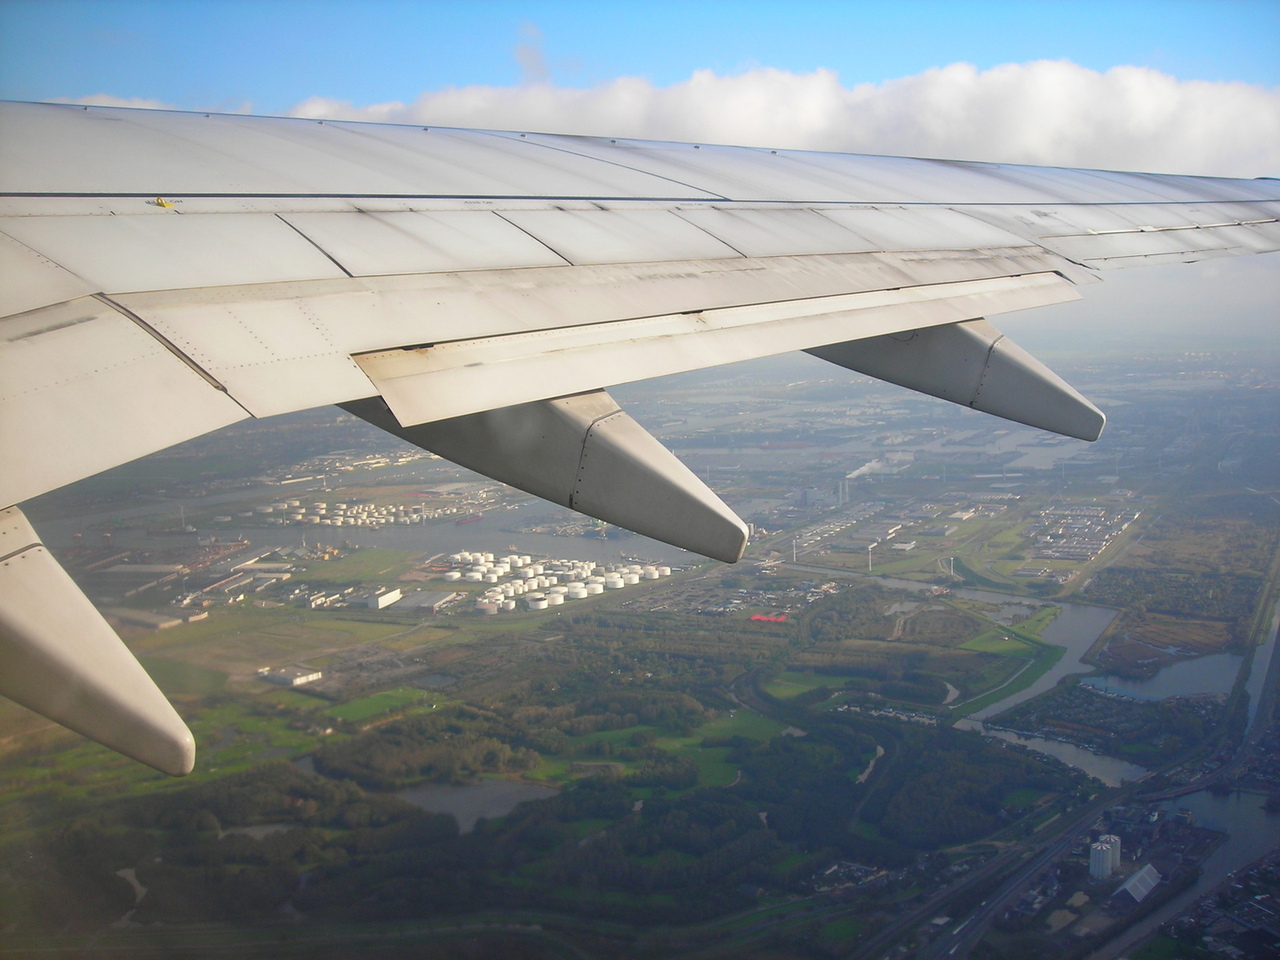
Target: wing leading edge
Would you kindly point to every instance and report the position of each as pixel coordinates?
(165, 274)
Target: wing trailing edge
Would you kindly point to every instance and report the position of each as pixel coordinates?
(63, 660)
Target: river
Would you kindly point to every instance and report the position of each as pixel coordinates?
(1110, 770)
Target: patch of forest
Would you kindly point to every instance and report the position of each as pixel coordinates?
(1209, 596)
(641, 848)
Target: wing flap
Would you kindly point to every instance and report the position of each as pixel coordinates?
(83, 389)
(467, 376)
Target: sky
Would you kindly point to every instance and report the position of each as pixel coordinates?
(1177, 86)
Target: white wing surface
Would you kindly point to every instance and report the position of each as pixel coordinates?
(164, 274)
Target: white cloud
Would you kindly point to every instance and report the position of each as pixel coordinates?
(107, 100)
(1045, 112)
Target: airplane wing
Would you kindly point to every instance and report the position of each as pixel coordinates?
(165, 274)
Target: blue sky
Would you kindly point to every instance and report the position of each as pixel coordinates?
(1180, 86)
(268, 55)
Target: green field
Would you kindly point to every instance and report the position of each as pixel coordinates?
(792, 683)
(378, 704)
(362, 567)
(177, 679)
(1000, 643)
(714, 768)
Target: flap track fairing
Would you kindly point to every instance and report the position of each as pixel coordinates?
(975, 365)
(582, 452)
(63, 660)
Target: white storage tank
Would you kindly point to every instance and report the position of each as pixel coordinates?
(630, 578)
(555, 599)
(576, 593)
(453, 575)
(508, 604)
(594, 588)
(650, 573)
(664, 571)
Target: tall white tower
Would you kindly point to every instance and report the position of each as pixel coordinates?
(1099, 861)
(1113, 842)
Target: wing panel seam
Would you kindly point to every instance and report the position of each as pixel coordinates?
(170, 346)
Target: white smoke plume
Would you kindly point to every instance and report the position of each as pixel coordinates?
(1044, 112)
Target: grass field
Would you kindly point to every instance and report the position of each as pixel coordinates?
(1046, 657)
(792, 683)
(177, 679)
(999, 642)
(378, 704)
(362, 567)
(714, 768)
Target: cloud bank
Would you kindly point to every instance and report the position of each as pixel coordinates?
(1043, 112)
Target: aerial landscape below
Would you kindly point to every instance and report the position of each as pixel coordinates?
(568, 480)
(959, 660)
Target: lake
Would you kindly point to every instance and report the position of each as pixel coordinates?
(469, 802)
(1215, 673)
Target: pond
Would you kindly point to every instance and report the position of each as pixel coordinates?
(469, 802)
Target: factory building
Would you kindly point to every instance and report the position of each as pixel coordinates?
(383, 598)
(1136, 889)
(290, 676)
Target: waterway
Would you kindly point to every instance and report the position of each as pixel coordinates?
(1262, 660)
(1110, 770)
(1076, 628)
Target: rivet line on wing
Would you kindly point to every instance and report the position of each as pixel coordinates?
(167, 343)
(20, 550)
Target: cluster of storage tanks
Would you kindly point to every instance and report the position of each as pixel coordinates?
(339, 514)
(344, 514)
(517, 580)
